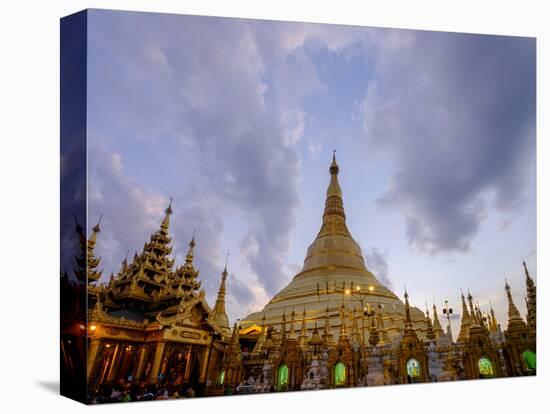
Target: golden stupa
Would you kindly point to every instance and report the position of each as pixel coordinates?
(334, 283)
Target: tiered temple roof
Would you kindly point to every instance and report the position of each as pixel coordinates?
(151, 287)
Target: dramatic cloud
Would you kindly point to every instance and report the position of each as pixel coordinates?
(190, 100)
(73, 205)
(130, 212)
(377, 263)
(456, 113)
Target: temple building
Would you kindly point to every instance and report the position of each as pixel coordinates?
(334, 325)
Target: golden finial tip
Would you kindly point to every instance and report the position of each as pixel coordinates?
(168, 210)
(96, 228)
(192, 242)
(334, 169)
(227, 259)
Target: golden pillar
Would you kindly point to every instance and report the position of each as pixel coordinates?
(204, 370)
(153, 375)
(141, 362)
(93, 348)
(187, 372)
(114, 364)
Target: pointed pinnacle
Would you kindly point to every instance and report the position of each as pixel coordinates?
(96, 228)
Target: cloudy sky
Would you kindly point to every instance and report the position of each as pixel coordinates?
(237, 119)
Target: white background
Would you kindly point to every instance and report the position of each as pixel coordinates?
(29, 192)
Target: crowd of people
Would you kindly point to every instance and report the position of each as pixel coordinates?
(126, 391)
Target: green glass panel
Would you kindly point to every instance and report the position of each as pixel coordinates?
(339, 374)
(413, 368)
(221, 377)
(283, 376)
(485, 367)
(530, 359)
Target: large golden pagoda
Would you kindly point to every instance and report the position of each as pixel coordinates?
(334, 278)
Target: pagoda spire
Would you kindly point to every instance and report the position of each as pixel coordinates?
(144, 280)
(291, 333)
(473, 313)
(303, 330)
(518, 335)
(465, 323)
(531, 300)
(283, 328)
(384, 337)
(355, 332)
(93, 274)
(327, 334)
(482, 318)
(234, 341)
(429, 331)
(186, 276)
(334, 217)
(408, 321)
(438, 329)
(327, 249)
(513, 313)
(261, 338)
(374, 337)
(80, 270)
(166, 221)
(315, 340)
(95, 230)
(493, 324)
(191, 252)
(219, 314)
(409, 340)
(343, 327)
